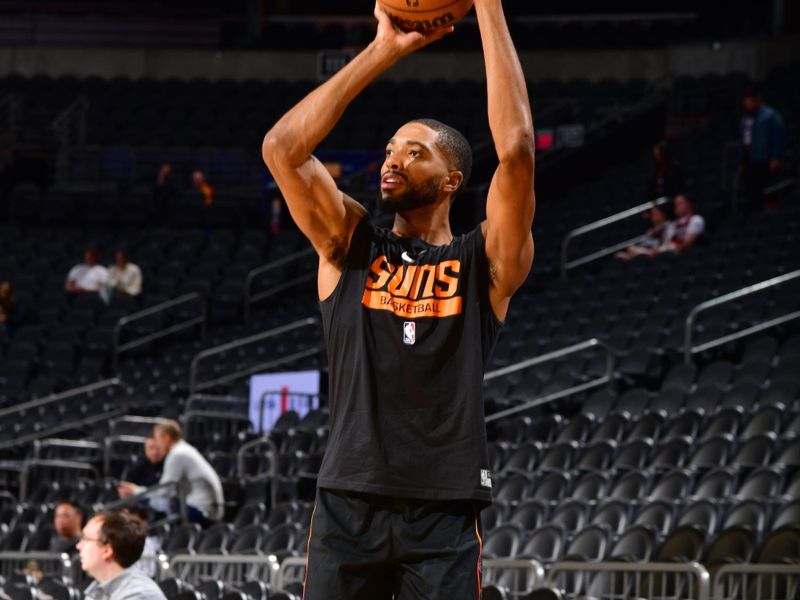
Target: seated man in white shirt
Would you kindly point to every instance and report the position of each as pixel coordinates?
(87, 276)
(685, 230)
(124, 277)
(205, 503)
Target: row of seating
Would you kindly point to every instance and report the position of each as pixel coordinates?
(639, 543)
(662, 515)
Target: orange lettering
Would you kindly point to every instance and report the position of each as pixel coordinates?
(446, 279)
(406, 290)
(428, 273)
(404, 275)
(381, 273)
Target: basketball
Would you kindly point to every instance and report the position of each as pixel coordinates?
(425, 15)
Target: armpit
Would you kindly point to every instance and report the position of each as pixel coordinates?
(493, 274)
(336, 252)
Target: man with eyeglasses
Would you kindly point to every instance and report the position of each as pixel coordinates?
(110, 543)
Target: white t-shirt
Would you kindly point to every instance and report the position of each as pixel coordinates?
(686, 226)
(127, 280)
(680, 230)
(89, 279)
(184, 462)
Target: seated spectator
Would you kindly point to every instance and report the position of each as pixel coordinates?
(182, 463)
(124, 277)
(87, 276)
(200, 184)
(148, 469)
(8, 308)
(110, 544)
(654, 237)
(685, 230)
(67, 522)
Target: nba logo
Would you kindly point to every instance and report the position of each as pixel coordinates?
(409, 333)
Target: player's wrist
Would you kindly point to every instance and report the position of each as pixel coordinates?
(384, 51)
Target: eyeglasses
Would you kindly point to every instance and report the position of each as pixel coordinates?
(83, 538)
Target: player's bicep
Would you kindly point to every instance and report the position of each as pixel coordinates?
(510, 207)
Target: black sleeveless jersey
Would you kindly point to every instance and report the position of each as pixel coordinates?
(409, 329)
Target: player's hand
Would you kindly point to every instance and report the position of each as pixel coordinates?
(126, 489)
(402, 42)
(774, 165)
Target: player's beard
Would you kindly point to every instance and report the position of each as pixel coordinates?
(415, 196)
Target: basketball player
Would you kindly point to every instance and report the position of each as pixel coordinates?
(410, 316)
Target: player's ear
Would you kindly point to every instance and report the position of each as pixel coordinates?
(453, 181)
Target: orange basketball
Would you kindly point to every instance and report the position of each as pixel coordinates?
(425, 15)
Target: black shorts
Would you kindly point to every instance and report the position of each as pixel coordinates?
(368, 547)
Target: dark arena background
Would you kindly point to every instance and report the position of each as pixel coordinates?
(643, 406)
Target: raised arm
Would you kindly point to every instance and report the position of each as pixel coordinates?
(511, 201)
(323, 213)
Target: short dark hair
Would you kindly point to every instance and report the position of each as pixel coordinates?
(125, 533)
(455, 145)
(72, 503)
(170, 428)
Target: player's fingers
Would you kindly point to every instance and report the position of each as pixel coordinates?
(438, 34)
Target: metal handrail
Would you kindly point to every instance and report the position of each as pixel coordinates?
(61, 124)
(12, 562)
(746, 569)
(194, 386)
(273, 463)
(214, 414)
(689, 349)
(599, 224)
(531, 362)
(39, 445)
(52, 398)
(58, 399)
(533, 568)
(261, 367)
(646, 568)
(135, 420)
(232, 401)
(287, 563)
(220, 561)
(109, 441)
(180, 488)
(250, 299)
(117, 349)
(779, 186)
(69, 465)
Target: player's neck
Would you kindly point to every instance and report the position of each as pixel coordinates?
(432, 227)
